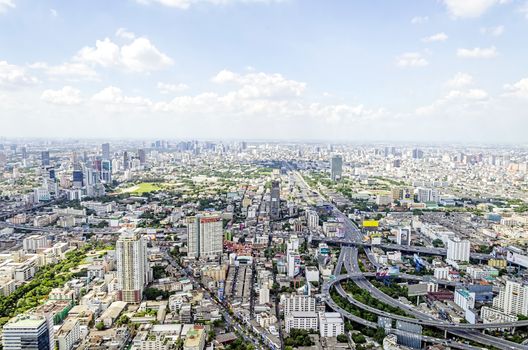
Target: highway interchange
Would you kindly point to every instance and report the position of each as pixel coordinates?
(349, 259)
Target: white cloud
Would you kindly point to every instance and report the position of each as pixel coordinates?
(411, 59)
(420, 19)
(166, 88)
(66, 96)
(477, 52)
(112, 95)
(14, 76)
(138, 56)
(461, 100)
(470, 8)
(125, 34)
(435, 37)
(54, 13)
(471, 94)
(460, 80)
(261, 85)
(518, 89)
(185, 4)
(6, 5)
(71, 71)
(493, 31)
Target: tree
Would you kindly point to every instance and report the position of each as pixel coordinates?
(342, 338)
(100, 326)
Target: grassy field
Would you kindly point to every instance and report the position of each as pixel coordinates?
(143, 187)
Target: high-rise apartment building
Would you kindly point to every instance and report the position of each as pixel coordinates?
(336, 168)
(512, 299)
(133, 270)
(204, 236)
(457, 249)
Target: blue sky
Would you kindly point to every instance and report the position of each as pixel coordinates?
(424, 70)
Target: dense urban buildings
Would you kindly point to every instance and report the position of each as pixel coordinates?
(255, 241)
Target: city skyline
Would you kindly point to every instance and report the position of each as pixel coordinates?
(429, 71)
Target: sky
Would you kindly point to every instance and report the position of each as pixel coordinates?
(295, 70)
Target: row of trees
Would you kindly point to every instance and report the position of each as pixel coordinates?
(36, 291)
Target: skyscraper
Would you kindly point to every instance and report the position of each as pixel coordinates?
(126, 161)
(105, 150)
(106, 171)
(133, 270)
(45, 158)
(204, 236)
(142, 156)
(275, 200)
(336, 168)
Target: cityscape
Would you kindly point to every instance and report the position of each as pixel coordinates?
(257, 174)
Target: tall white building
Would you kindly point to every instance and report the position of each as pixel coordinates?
(293, 264)
(512, 299)
(313, 219)
(133, 270)
(302, 303)
(264, 294)
(331, 324)
(204, 236)
(457, 249)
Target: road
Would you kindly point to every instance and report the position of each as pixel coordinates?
(349, 248)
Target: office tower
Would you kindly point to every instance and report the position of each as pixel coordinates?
(336, 167)
(78, 178)
(417, 153)
(45, 158)
(512, 299)
(133, 271)
(26, 332)
(106, 171)
(126, 160)
(23, 151)
(142, 156)
(275, 201)
(105, 150)
(457, 249)
(204, 236)
(396, 163)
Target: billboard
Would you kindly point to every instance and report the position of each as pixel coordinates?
(388, 271)
(518, 259)
(370, 223)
